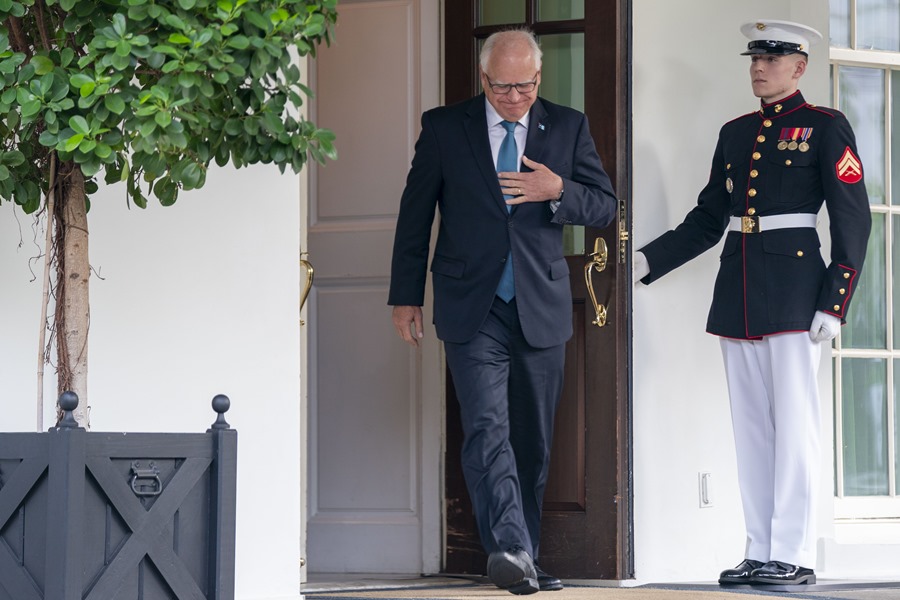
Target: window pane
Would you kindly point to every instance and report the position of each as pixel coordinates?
(895, 137)
(861, 97)
(867, 319)
(897, 427)
(562, 81)
(560, 10)
(840, 23)
(864, 423)
(501, 12)
(877, 25)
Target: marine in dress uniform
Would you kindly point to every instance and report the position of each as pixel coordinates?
(775, 299)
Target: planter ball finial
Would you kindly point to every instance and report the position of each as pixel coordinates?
(221, 404)
(68, 402)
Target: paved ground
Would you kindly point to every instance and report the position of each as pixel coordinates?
(468, 588)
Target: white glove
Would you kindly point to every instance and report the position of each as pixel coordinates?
(824, 327)
(640, 268)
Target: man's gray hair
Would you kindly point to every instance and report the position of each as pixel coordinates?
(507, 37)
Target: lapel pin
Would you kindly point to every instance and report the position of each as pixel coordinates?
(541, 126)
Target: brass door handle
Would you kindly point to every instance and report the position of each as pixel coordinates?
(307, 266)
(597, 262)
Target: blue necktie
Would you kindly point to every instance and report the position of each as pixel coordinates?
(508, 160)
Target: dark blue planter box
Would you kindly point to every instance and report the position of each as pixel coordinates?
(109, 516)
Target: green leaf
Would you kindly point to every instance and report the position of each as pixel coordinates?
(31, 108)
(73, 142)
(87, 89)
(179, 38)
(118, 23)
(123, 48)
(79, 125)
(114, 103)
(238, 42)
(42, 64)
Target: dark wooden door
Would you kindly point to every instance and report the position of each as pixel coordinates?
(587, 529)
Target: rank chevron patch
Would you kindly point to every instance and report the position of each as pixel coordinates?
(848, 167)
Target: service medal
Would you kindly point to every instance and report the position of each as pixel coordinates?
(729, 185)
(782, 145)
(792, 146)
(803, 146)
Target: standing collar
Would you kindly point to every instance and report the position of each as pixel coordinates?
(782, 107)
(493, 117)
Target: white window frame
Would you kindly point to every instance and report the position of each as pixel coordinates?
(860, 509)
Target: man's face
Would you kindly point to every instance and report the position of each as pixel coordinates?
(774, 77)
(507, 65)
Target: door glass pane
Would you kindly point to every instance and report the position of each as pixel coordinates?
(867, 318)
(895, 267)
(560, 10)
(562, 81)
(861, 96)
(877, 25)
(839, 26)
(895, 137)
(864, 423)
(501, 12)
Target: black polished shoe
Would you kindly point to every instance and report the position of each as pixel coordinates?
(782, 573)
(513, 571)
(741, 573)
(547, 582)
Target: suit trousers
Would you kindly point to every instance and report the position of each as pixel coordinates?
(775, 414)
(508, 392)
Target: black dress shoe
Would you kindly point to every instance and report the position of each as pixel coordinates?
(513, 571)
(741, 573)
(547, 582)
(782, 573)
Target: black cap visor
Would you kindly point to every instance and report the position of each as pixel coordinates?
(773, 47)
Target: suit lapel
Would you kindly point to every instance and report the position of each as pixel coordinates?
(538, 130)
(477, 134)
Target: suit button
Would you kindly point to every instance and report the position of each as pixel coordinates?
(751, 192)
(761, 139)
(837, 307)
(767, 123)
(846, 275)
(751, 211)
(757, 156)
(842, 291)
(799, 252)
(754, 173)
(728, 166)
(788, 162)
(503, 260)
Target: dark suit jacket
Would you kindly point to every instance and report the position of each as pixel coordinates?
(453, 170)
(774, 282)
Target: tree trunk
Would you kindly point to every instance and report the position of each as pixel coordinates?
(72, 287)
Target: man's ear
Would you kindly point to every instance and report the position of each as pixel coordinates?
(800, 68)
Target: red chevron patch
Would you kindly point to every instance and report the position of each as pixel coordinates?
(848, 167)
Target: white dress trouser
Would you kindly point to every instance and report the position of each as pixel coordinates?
(775, 413)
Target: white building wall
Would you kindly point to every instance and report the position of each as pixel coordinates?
(188, 301)
(689, 79)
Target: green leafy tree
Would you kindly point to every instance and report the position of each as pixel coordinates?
(146, 93)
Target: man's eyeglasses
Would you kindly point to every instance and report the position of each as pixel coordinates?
(505, 88)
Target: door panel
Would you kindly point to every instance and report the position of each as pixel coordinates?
(587, 520)
(374, 431)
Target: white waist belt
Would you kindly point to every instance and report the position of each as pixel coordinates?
(759, 224)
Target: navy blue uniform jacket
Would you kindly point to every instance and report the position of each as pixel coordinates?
(453, 170)
(774, 281)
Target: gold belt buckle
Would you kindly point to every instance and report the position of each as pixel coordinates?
(749, 224)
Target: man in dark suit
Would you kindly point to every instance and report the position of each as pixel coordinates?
(507, 171)
(775, 301)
